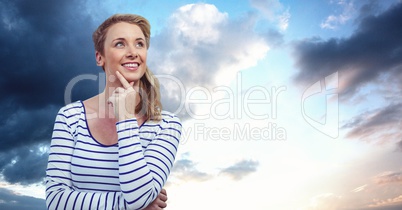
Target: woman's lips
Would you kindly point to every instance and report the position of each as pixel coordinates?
(132, 66)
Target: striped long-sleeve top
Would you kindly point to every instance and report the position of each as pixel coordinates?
(84, 174)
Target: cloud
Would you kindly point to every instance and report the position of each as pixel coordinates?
(399, 146)
(198, 23)
(334, 21)
(373, 207)
(241, 169)
(389, 177)
(359, 189)
(274, 11)
(390, 203)
(327, 201)
(11, 201)
(25, 165)
(48, 54)
(380, 124)
(368, 9)
(20, 127)
(373, 50)
(185, 170)
(383, 192)
(201, 46)
(200, 42)
(45, 44)
(38, 60)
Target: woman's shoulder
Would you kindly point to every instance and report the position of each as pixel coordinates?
(73, 108)
(170, 118)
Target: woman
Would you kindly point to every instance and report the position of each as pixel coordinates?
(116, 149)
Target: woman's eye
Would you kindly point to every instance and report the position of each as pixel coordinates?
(119, 44)
(140, 44)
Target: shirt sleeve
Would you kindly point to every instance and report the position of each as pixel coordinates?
(142, 172)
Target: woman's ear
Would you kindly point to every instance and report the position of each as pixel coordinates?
(99, 59)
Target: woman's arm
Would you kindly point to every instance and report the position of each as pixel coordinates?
(143, 173)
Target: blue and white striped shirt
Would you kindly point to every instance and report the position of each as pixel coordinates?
(84, 174)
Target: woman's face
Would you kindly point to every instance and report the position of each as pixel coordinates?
(125, 51)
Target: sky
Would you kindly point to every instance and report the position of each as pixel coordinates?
(284, 104)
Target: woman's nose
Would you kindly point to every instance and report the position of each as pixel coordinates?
(131, 53)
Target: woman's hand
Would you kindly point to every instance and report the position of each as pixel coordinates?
(159, 203)
(123, 99)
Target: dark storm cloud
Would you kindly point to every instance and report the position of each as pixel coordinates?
(25, 165)
(12, 201)
(241, 169)
(369, 8)
(371, 55)
(26, 127)
(373, 49)
(44, 45)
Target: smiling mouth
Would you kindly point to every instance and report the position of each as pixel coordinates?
(131, 65)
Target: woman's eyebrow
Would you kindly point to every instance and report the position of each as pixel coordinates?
(120, 38)
(123, 39)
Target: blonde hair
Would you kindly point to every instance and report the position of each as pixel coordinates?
(150, 105)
